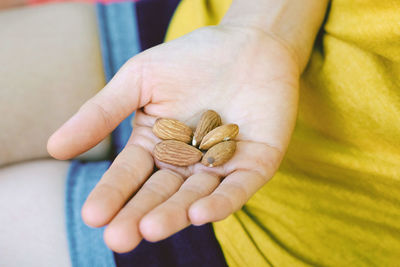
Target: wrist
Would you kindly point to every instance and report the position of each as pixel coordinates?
(294, 23)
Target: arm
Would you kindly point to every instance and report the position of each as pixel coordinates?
(32, 52)
(247, 69)
(294, 22)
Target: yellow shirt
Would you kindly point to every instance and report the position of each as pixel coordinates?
(335, 200)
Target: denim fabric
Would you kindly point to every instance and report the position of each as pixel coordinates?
(119, 42)
(86, 245)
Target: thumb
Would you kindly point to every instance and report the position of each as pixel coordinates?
(102, 113)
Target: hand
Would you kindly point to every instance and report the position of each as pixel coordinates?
(249, 77)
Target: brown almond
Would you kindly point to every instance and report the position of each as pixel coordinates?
(209, 120)
(177, 153)
(170, 129)
(222, 133)
(219, 154)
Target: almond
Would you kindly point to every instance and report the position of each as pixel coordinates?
(177, 153)
(170, 129)
(222, 133)
(219, 154)
(209, 120)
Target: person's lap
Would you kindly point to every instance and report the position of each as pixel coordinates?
(53, 64)
(32, 227)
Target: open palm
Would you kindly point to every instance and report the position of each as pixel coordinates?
(249, 77)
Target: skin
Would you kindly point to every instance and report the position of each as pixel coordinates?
(245, 70)
(34, 57)
(5, 4)
(214, 61)
(32, 218)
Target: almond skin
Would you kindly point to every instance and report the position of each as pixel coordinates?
(177, 153)
(209, 120)
(222, 133)
(170, 129)
(219, 154)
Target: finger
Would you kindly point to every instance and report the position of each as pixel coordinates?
(142, 133)
(234, 191)
(101, 114)
(172, 215)
(251, 167)
(127, 173)
(122, 234)
(143, 119)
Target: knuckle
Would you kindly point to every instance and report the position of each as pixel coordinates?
(268, 163)
(241, 195)
(145, 155)
(156, 188)
(173, 174)
(126, 174)
(195, 190)
(125, 167)
(105, 115)
(113, 188)
(224, 199)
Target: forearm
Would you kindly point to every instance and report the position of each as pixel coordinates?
(44, 76)
(295, 22)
